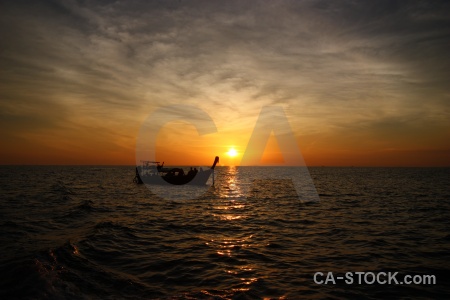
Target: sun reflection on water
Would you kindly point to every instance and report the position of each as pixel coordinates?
(232, 205)
(231, 208)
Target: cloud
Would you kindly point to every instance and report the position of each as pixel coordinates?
(330, 64)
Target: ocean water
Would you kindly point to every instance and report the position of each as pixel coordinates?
(91, 233)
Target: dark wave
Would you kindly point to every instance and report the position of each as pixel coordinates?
(89, 233)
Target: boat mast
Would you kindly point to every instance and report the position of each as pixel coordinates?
(216, 160)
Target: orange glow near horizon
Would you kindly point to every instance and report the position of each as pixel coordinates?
(178, 143)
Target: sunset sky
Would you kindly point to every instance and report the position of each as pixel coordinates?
(362, 83)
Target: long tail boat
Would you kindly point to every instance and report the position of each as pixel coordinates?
(152, 172)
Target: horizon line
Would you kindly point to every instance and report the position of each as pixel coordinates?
(194, 165)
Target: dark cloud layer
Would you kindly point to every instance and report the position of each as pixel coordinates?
(341, 64)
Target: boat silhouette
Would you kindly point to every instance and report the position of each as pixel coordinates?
(152, 172)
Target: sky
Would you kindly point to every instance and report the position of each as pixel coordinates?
(361, 83)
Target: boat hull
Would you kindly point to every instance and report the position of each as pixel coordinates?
(200, 178)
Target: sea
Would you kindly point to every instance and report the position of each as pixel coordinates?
(90, 232)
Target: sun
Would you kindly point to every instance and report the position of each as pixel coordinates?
(232, 152)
